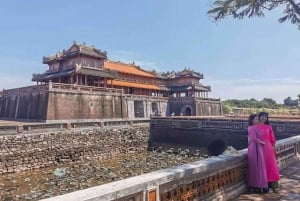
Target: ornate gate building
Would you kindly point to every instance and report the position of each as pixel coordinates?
(82, 83)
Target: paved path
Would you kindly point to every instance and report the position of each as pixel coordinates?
(289, 186)
(15, 123)
(8, 123)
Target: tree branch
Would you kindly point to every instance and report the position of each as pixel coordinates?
(265, 7)
(295, 6)
(278, 1)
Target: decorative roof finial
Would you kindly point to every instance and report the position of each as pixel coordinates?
(74, 42)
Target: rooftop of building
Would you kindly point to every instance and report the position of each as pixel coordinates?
(127, 68)
(187, 72)
(76, 49)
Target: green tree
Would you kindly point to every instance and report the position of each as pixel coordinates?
(252, 103)
(271, 103)
(290, 102)
(226, 108)
(251, 8)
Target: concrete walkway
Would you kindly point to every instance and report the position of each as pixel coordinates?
(289, 188)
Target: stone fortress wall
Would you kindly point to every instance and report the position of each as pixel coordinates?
(54, 101)
(32, 151)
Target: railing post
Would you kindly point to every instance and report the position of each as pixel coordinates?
(69, 126)
(20, 128)
(50, 84)
(131, 123)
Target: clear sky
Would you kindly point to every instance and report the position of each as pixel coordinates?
(251, 58)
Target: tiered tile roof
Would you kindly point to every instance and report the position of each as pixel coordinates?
(127, 68)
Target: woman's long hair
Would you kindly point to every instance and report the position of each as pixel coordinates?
(251, 118)
(264, 114)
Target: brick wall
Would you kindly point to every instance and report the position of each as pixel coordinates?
(76, 105)
(33, 151)
(32, 105)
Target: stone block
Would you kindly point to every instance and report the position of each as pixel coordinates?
(20, 128)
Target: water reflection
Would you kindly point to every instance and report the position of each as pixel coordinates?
(59, 172)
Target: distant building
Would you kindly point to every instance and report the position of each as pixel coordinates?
(82, 83)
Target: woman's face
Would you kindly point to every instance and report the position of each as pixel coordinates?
(255, 120)
(263, 118)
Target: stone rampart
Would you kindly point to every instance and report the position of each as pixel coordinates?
(85, 105)
(31, 151)
(24, 105)
(53, 101)
(198, 106)
(201, 131)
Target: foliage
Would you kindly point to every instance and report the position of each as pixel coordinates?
(290, 102)
(251, 106)
(250, 8)
(253, 103)
(226, 108)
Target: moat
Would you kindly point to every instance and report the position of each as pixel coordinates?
(42, 183)
(94, 156)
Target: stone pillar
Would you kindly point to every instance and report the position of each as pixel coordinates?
(113, 107)
(145, 109)
(69, 126)
(50, 84)
(17, 107)
(20, 128)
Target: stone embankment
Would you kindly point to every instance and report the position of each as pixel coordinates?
(33, 151)
(89, 157)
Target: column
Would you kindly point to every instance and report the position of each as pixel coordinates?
(50, 84)
(105, 82)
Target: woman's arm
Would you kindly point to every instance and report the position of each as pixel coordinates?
(272, 139)
(272, 136)
(253, 135)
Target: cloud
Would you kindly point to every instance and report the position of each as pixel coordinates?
(245, 88)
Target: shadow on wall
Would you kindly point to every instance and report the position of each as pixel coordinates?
(186, 111)
(139, 109)
(216, 147)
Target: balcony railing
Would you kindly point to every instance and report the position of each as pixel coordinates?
(194, 98)
(42, 87)
(74, 87)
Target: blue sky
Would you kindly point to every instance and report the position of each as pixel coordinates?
(251, 58)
